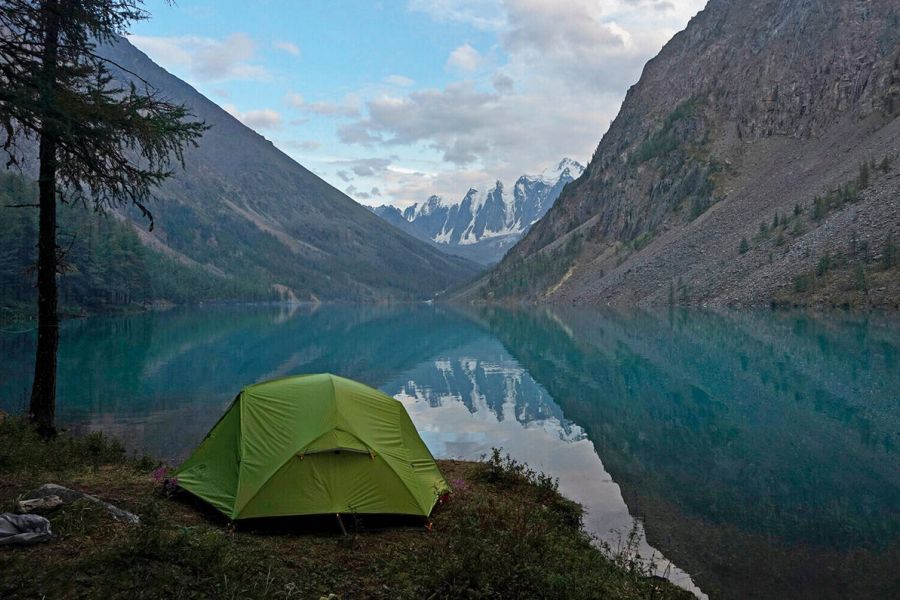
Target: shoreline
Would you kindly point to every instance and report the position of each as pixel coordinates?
(13, 315)
(491, 538)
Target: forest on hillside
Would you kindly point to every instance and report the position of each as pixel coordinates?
(105, 265)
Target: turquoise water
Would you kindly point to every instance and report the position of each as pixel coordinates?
(759, 451)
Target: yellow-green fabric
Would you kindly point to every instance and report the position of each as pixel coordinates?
(313, 444)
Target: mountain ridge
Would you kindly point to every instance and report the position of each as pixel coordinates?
(286, 203)
(243, 214)
(488, 219)
(756, 146)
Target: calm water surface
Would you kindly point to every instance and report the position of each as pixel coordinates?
(760, 452)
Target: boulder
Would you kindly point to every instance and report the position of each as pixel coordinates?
(67, 496)
(38, 504)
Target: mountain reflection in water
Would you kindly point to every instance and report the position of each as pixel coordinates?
(759, 450)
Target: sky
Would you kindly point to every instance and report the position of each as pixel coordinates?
(393, 101)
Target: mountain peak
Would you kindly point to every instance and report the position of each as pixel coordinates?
(489, 219)
(573, 168)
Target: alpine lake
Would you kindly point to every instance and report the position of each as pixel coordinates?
(757, 451)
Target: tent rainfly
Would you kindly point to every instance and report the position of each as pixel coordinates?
(313, 444)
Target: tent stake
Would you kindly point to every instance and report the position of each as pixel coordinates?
(341, 523)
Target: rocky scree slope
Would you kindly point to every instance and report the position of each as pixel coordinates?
(756, 161)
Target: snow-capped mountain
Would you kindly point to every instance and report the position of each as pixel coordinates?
(488, 220)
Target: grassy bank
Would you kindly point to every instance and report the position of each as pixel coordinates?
(505, 532)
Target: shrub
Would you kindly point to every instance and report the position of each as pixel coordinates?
(642, 240)
(820, 209)
(24, 450)
(862, 180)
(860, 276)
(685, 289)
(507, 470)
(863, 247)
(824, 264)
(744, 246)
(890, 254)
(849, 193)
(804, 283)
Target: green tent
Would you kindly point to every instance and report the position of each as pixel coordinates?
(313, 444)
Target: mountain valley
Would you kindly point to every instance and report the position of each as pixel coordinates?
(487, 221)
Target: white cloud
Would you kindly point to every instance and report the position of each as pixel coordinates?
(347, 108)
(296, 100)
(588, 45)
(362, 167)
(356, 194)
(464, 58)
(398, 80)
(555, 81)
(205, 59)
(301, 145)
(406, 186)
(264, 118)
(482, 14)
(289, 47)
(451, 121)
(368, 167)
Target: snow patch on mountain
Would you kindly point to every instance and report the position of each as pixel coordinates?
(488, 219)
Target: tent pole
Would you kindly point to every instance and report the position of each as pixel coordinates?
(341, 523)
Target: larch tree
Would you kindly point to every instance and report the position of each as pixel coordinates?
(102, 141)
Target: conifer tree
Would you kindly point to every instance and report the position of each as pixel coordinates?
(100, 142)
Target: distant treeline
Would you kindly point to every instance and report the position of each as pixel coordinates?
(104, 262)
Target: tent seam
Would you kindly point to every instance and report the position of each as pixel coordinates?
(240, 453)
(403, 484)
(236, 512)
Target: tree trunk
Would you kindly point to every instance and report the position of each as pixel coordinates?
(43, 392)
(42, 410)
